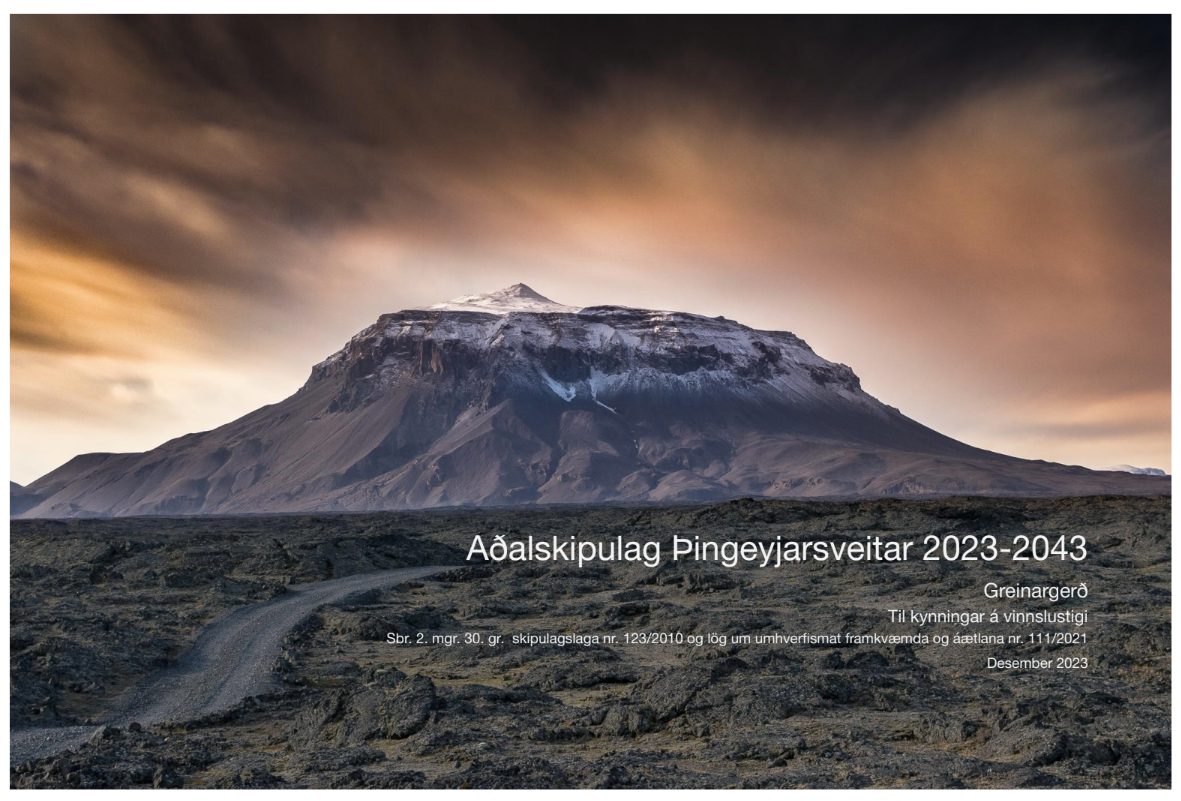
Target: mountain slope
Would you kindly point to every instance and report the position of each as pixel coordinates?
(510, 398)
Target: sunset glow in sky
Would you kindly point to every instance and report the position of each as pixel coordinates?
(974, 215)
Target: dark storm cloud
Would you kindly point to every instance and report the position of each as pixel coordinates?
(274, 125)
(990, 194)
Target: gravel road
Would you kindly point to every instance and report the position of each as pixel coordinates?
(232, 658)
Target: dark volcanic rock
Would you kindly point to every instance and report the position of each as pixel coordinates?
(394, 706)
(356, 712)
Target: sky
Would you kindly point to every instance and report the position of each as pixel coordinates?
(972, 213)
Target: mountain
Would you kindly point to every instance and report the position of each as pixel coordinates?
(20, 500)
(510, 398)
(1141, 471)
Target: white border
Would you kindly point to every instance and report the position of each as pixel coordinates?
(603, 6)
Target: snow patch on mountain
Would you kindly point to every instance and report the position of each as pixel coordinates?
(1140, 471)
(510, 300)
(596, 381)
(565, 393)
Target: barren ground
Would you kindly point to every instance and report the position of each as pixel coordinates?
(100, 606)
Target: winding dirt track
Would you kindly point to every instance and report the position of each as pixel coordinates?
(232, 658)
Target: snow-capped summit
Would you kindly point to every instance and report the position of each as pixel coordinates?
(516, 298)
(529, 401)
